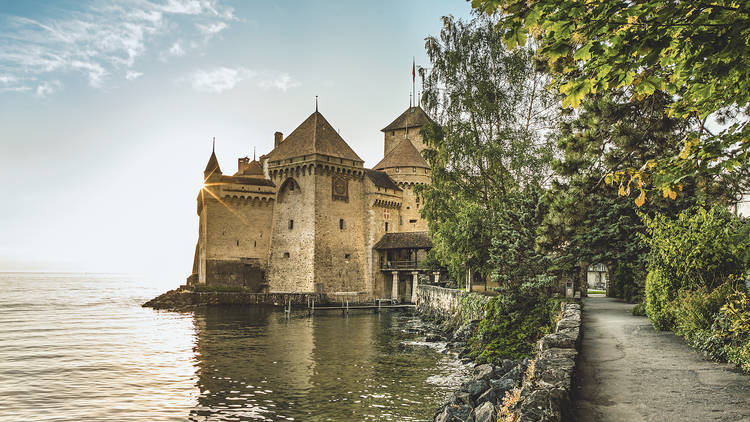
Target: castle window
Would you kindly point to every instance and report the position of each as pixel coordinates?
(397, 169)
(238, 243)
(413, 169)
(386, 226)
(412, 221)
(286, 254)
(393, 133)
(255, 243)
(347, 256)
(341, 224)
(291, 224)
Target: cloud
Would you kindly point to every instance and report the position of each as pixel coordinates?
(10, 83)
(220, 79)
(212, 29)
(217, 80)
(101, 40)
(282, 82)
(132, 75)
(47, 87)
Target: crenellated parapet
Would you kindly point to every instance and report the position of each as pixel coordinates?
(315, 165)
(386, 203)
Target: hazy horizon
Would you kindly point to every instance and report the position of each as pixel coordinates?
(109, 109)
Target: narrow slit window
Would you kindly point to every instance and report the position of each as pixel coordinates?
(386, 226)
(286, 254)
(291, 224)
(341, 224)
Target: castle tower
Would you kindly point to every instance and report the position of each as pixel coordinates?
(406, 166)
(407, 125)
(318, 240)
(235, 213)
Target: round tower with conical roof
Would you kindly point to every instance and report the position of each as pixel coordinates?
(404, 163)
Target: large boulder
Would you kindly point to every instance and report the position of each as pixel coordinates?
(496, 392)
(485, 413)
(454, 414)
(484, 371)
(516, 374)
(464, 332)
(475, 387)
(503, 385)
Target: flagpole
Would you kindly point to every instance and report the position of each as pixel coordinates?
(413, 75)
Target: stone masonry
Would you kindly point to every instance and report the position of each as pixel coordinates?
(308, 217)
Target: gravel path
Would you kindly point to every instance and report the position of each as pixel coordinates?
(627, 371)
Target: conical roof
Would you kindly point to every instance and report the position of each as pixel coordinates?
(405, 154)
(314, 136)
(212, 166)
(413, 117)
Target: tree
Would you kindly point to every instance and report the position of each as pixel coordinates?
(490, 146)
(589, 222)
(695, 51)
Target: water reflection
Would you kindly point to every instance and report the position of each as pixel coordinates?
(79, 347)
(253, 363)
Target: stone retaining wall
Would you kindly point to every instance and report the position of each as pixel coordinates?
(546, 391)
(433, 300)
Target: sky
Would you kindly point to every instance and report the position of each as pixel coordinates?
(108, 108)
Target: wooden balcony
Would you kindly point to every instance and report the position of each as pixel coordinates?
(402, 266)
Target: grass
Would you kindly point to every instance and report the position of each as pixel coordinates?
(597, 292)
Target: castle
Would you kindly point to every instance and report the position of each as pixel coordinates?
(309, 217)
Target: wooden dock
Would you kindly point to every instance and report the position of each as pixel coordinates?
(375, 307)
(345, 307)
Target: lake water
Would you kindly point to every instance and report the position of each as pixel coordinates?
(77, 347)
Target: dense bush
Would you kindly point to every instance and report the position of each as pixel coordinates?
(514, 320)
(639, 309)
(732, 327)
(696, 310)
(660, 292)
(698, 249)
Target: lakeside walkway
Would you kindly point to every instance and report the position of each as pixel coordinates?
(627, 371)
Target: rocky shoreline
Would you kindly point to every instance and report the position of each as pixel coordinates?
(185, 298)
(531, 390)
(478, 398)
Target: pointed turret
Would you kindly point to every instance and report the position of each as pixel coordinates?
(212, 168)
(406, 126)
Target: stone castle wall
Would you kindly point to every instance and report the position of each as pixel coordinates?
(291, 263)
(340, 259)
(407, 178)
(234, 239)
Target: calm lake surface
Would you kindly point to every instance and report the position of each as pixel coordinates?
(77, 347)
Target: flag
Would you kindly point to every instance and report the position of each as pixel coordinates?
(413, 68)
